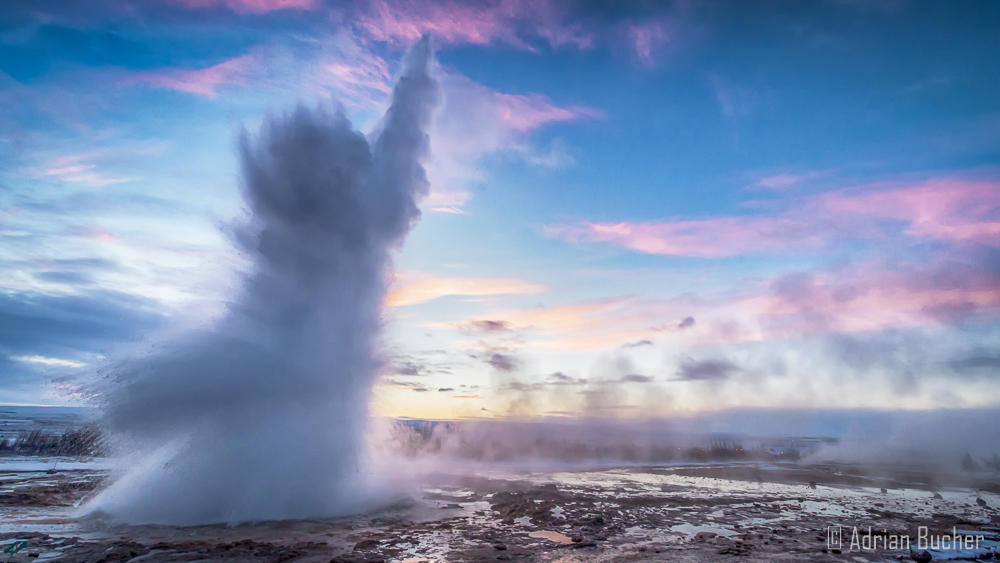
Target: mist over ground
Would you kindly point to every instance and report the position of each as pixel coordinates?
(939, 439)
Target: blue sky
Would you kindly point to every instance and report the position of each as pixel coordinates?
(635, 211)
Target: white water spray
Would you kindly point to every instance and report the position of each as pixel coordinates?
(262, 416)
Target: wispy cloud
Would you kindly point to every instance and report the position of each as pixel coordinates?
(647, 40)
(503, 123)
(943, 209)
(201, 82)
(702, 370)
(413, 290)
(522, 114)
(595, 324)
(49, 361)
(785, 181)
(478, 23)
(734, 99)
(78, 168)
(252, 6)
(93, 232)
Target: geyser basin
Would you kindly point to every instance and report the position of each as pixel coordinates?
(261, 416)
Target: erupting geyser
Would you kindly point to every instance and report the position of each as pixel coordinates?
(262, 416)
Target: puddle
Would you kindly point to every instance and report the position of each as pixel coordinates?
(551, 536)
(694, 530)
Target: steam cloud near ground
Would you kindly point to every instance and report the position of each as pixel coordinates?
(262, 416)
(935, 439)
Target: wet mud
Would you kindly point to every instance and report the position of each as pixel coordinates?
(737, 512)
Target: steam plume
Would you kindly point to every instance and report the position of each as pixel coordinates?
(261, 417)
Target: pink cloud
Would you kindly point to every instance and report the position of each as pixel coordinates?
(200, 82)
(361, 78)
(252, 6)
(77, 168)
(647, 39)
(707, 238)
(413, 290)
(866, 297)
(522, 114)
(404, 21)
(941, 209)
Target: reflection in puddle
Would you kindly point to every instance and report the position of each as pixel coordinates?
(693, 530)
(552, 536)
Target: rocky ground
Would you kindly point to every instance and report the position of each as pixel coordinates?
(735, 512)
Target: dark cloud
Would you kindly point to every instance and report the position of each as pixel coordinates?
(502, 362)
(66, 327)
(636, 378)
(405, 368)
(420, 363)
(445, 389)
(702, 370)
(976, 363)
(560, 378)
(413, 386)
(637, 344)
(51, 325)
(688, 322)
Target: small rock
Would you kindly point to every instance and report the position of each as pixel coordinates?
(922, 557)
(499, 547)
(812, 484)
(365, 544)
(937, 496)
(981, 502)
(883, 491)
